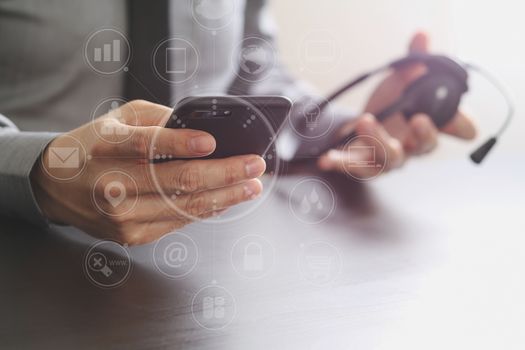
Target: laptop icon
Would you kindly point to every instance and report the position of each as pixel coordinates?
(362, 157)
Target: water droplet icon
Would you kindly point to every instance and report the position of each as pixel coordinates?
(314, 196)
(305, 206)
(315, 199)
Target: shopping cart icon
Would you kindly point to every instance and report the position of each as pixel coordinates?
(319, 267)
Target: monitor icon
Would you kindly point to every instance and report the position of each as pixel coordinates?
(320, 51)
(363, 157)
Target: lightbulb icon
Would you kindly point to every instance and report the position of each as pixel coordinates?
(311, 116)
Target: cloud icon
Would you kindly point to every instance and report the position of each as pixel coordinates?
(214, 9)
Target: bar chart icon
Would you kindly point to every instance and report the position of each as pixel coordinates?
(107, 53)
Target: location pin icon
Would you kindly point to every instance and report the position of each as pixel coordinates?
(118, 199)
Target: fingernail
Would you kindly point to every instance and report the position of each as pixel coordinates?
(421, 131)
(369, 116)
(334, 155)
(252, 189)
(424, 136)
(324, 163)
(219, 212)
(201, 144)
(368, 124)
(255, 167)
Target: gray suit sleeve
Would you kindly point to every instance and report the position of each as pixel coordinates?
(277, 81)
(18, 153)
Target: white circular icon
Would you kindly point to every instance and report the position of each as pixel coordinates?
(213, 307)
(64, 161)
(256, 58)
(117, 199)
(365, 158)
(320, 51)
(312, 120)
(253, 256)
(113, 128)
(175, 255)
(107, 264)
(312, 200)
(319, 262)
(213, 14)
(175, 60)
(107, 51)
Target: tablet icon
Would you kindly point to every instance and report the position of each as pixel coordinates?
(176, 60)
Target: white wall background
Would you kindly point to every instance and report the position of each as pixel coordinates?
(372, 32)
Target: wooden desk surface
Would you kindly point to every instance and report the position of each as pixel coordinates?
(432, 256)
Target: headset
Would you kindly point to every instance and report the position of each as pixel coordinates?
(437, 93)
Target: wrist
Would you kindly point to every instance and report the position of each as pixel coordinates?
(42, 189)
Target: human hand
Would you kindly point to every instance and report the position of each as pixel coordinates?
(118, 171)
(399, 137)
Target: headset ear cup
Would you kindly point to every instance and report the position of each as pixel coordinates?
(435, 63)
(437, 95)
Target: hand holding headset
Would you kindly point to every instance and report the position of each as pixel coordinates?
(437, 94)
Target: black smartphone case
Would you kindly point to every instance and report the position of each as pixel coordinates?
(240, 124)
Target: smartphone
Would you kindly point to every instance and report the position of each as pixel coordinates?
(240, 124)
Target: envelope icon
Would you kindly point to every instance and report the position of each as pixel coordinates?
(64, 157)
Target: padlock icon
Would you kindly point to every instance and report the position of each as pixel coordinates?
(253, 257)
